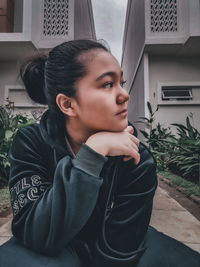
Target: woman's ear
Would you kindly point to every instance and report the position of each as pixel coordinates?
(65, 104)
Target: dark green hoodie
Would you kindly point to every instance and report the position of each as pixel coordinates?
(58, 198)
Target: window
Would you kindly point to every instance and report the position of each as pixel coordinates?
(11, 15)
(176, 93)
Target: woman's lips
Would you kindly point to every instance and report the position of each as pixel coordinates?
(123, 113)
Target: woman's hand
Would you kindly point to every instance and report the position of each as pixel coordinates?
(116, 144)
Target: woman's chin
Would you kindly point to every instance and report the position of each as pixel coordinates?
(120, 126)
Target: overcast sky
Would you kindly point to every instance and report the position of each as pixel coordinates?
(109, 17)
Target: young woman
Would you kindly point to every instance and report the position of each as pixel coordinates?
(81, 183)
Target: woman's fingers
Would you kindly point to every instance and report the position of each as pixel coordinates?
(132, 152)
(135, 159)
(134, 146)
(129, 129)
(136, 156)
(126, 158)
(134, 139)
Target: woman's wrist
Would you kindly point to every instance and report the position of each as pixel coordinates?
(89, 160)
(96, 146)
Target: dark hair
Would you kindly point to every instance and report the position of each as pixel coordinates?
(46, 76)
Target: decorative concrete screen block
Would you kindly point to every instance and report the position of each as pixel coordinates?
(164, 16)
(52, 23)
(56, 17)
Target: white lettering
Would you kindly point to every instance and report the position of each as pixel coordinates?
(30, 193)
(16, 187)
(15, 207)
(11, 194)
(25, 184)
(36, 180)
(22, 200)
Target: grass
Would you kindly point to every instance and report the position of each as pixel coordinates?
(190, 188)
(4, 198)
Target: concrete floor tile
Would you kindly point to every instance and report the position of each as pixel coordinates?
(5, 230)
(162, 201)
(4, 239)
(180, 225)
(193, 246)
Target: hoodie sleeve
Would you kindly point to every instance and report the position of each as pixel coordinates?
(129, 218)
(49, 211)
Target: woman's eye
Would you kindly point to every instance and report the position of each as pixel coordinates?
(108, 85)
(122, 83)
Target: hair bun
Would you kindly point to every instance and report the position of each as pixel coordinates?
(32, 74)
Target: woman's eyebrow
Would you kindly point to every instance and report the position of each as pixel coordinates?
(109, 73)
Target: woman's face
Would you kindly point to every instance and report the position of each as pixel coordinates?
(101, 96)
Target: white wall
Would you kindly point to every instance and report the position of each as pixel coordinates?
(18, 15)
(171, 69)
(134, 39)
(9, 79)
(136, 102)
(16, 47)
(8, 76)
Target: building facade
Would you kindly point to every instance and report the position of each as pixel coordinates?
(161, 60)
(29, 27)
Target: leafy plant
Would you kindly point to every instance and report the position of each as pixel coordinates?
(190, 188)
(180, 154)
(9, 124)
(155, 137)
(186, 156)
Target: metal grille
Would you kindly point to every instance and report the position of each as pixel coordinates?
(164, 16)
(56, 17)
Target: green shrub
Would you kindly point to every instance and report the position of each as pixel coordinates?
(179, 154)
(9, 124)
(156, 137)
(186, 155)
(190, 188)
(4, 199)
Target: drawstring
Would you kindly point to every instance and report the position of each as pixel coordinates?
(55, 157)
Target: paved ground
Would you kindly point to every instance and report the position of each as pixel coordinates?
(168, 217)
(172, 219)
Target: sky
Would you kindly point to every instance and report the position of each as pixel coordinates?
(109, 17)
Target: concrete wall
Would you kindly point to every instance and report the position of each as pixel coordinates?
(18, 15)
(8, 76)
(80, 24)
(83, 20)
(170, 69)
(194, 15)
(83, 27)
(11, 85)
(144, 75)
(134, 38)
(136, 102)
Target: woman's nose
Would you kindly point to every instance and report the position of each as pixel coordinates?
(123, 96)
